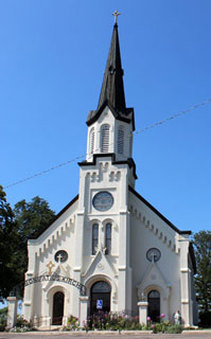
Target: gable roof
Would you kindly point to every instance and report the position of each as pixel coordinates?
(37, 235)
(161, 216)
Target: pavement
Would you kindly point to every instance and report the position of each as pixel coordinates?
(197, 334)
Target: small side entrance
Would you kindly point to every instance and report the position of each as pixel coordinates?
(154, 305)
(100, 297)
(58, 308)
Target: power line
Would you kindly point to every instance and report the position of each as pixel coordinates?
(171, 117)
(156, 124)
(44, 171)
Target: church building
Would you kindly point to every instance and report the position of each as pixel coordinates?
(109, 249)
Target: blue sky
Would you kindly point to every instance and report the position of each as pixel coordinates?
(52, 59)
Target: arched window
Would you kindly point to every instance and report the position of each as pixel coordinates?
(94, 238)
(108, 230)
(154, 305)
(120, 140)
(104, 138)
(91, 141)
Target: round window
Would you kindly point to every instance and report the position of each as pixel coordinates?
(153, 254)
(61, 256)
(103, 201)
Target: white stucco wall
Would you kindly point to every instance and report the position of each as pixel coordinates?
(135, 229)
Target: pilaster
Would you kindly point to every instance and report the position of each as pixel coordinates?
(143, 307)
(185, 274)
(83, 310)
(125, 271)
(12, 312)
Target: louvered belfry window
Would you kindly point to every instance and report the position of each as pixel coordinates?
(120, 140)
(104, 138)
(94, 238)
(92, 141)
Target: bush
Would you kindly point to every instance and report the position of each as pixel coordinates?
(3, 319)
(165, 326)
(176, 328)
(112, 321)
(161, 327)
(72, 324)
(22, 325)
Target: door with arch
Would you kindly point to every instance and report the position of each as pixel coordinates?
(154, 305)
(100, 297)
(58, 308)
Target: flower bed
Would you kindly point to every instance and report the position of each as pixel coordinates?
(112, 322)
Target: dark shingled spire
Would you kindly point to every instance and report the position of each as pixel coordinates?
(113, 88)
(112, 92)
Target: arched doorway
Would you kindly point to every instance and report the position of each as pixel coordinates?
(58, 308)
(154, 305)
(100, 297)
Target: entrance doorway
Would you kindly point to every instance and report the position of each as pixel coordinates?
(58, 308)
(154, 305)
(100, 297)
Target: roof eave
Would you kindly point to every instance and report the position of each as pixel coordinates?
(158, 213)
(118, 115)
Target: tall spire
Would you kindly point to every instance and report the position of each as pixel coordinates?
(112, 89)
(112, 92)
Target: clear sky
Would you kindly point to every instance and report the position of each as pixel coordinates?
(52, 59)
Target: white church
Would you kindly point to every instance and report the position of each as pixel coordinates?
(109, 248)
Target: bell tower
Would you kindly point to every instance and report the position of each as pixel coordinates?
(103, 217)
(111, 125)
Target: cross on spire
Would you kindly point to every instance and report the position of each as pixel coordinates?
(116, 14)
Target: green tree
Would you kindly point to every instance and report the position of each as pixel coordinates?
(31, 218)
(202, 246)
(26, 220)
(8, 247)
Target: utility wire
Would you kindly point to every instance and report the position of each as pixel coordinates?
(156, 124)
(44, 171)
(174, 116)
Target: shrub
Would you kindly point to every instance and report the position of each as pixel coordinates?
(166, 326)
(176, 328)
(3, 319)
(22, 325)
(72, 324)
(160, 327)
(112, 321)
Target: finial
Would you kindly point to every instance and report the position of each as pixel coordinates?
(116, 14)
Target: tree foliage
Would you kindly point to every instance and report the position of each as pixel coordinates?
(26, 220)
(202, 245)
(8, 246)
(32, 218)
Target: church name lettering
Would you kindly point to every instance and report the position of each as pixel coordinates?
(55, 277)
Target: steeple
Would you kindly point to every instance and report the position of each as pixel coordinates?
(112, 91)
(113, 88)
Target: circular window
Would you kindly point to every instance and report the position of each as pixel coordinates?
(61, 256)
(153, 254)
(103, 201)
